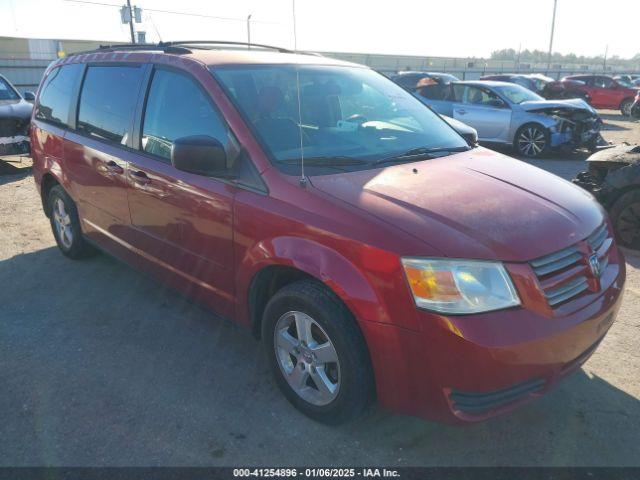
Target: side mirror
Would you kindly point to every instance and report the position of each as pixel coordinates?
(494, 102)
(29, 96)
(199, 154)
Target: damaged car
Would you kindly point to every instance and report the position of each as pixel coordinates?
(15, 115)
(509, 114)
(613, 177)
(543, 85)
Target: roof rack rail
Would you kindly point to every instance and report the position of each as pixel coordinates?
(196, 43)
(184, 46)
(134, 47)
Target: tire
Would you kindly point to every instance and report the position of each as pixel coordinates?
(625, 107)
(625, 216)
(532, 140)
(65, 224)
(347, 384)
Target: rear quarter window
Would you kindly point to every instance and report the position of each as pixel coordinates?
(107, 102)
(57, 94)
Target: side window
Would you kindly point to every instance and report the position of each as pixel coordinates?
(108, 100)
(603, 82)
(457, 92)
(56, 95)
(177, 107)
(480, 96)
(587, 80)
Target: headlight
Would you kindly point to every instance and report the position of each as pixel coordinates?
(459, 286)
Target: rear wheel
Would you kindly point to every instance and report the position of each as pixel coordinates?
(532, 140)
(317, 353)
(625, 107)
(66, 225)
(625, 215)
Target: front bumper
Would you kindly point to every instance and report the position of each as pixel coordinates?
(18, 145)
(586, 134)
(470, 368)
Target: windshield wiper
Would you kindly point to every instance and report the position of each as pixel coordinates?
(422, 153)
(325, 161)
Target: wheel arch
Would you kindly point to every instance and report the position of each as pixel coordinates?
(273, 264)
(48, 182)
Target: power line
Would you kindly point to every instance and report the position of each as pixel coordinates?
(175, 12)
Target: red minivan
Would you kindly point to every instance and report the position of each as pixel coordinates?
(375, 252)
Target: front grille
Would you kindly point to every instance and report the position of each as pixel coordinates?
(478, 403)
(564, 274)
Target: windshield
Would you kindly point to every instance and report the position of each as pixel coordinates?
(6, 91)
(517, 94)
(353, 115)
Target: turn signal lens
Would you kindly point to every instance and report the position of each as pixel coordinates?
(459, 286)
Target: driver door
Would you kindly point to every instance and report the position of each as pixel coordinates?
(483, 110)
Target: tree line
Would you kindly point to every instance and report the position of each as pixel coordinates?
(540, 56)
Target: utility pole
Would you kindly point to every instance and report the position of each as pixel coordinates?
(604, 62)
(133, 36)
(553, 27)
(249, 31)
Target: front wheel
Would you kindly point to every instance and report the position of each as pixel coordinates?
(625, 107)
(317, 353)
(625, 216)
(531, 140)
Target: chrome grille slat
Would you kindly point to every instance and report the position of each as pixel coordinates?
(558, 270)
(556, 265)
(597, 238)
(567, 291)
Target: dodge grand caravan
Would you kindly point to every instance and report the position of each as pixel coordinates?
(376, 253)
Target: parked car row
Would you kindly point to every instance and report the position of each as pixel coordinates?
(376, 253)
(507, 113)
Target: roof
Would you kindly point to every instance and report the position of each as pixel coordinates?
(215, 57)
(485, 83)
(215, 53)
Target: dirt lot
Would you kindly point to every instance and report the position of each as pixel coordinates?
(101, 366)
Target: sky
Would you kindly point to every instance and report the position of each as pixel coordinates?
(462, 28)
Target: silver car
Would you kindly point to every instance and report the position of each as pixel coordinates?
(507, 113)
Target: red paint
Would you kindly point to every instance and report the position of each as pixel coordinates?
(210, 238)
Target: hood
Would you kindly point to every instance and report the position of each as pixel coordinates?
(570, 104)
(477, 204)
(15, 109)
(624, 153)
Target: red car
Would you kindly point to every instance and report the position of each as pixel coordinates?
(605, 92)
(374, 251)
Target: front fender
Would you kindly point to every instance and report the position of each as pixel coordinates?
(321, 262)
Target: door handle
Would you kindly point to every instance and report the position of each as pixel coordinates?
(110, 168)
(140, 177)
(461, 111)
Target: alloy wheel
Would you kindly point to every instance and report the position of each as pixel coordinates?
(307, 358)
(62, 222)
(626, 108)
(532, 141)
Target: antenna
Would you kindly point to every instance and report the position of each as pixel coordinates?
(295, 36)
(303, 178)
(154, 27)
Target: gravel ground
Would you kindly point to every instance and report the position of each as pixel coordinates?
(102, 366)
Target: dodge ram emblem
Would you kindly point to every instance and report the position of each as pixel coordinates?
(594, 263)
